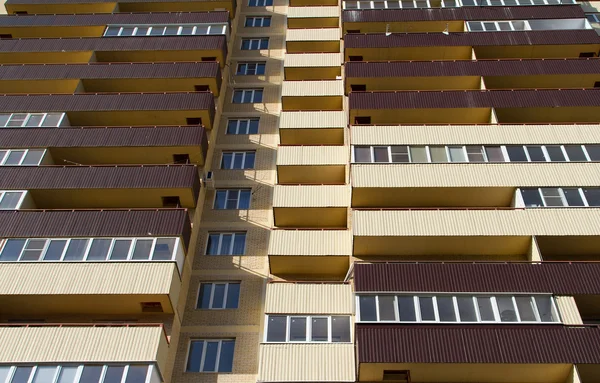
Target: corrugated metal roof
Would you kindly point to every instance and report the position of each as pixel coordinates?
(298, 298)
(520, 98)
(114, 18)
(312, 60)
(380, 40)
(110, 71)
(99, 177)
(313, 12)
(321, 34)
(547, 277)
(313, 120)
(477, 344)
(95, 223)
(462, 13)
(310, 242)
(72, 137)
(310, 196)
(513, 67)
(106, 102)
(312, 88)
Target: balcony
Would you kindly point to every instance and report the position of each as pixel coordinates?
(312, 3)
(312, 95)
(285, 298)
(460, 184)
(312, 128)
(116, 109)
(313, 66)
(94, 25)
(117, 49)
(311, 206)
(441, 234)
(313, 17)
(312, 164)
(323, 40)
(85, 343)
(310, 253)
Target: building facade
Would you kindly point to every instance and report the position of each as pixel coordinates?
(281, 191)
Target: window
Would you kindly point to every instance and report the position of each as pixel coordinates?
(311, 328)
(593, 17)
(11, 199)
(255, 44)
(211, 355)
(258, 21)
(97, 373)
(165, 30)
(232, 199)
(247, 96)
(238, 160)
(487, 26)
(243, 126)
(250, 68)
(560, 197)
(31, 120)
(460, 308)
(218, 295)
(21, 157)
(226, 244)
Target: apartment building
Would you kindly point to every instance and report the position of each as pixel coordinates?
(299, 191)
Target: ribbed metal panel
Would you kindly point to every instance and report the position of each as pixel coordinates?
(477, 344)
(475, 134)
(106, 102)
(104, 137)
(312, 88)
(519, 222)
(313, 120)
(311, 196)
(328, 362)
(114, 18)
(38, 344)
(299, 298)
(463, 13)
(475, 99)
(86, 278)
(472, 68)
(547, 277)
(567, 307)
(310, 242)
(98, 1)
(312, 155)
(313, 12)
(99, 177)
(378, 41)
(508, 174)
(323, 34)
(312, 60)
(111, 71)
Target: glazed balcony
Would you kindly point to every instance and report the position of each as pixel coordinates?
(319, 40)
(311, 206)
(312, 128)
(313, 17)
(313, 66)
(312, 164)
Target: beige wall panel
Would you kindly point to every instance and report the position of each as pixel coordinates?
(509, 174)
(310, 242)
(312, 120)
(312, 60)
(312, 155)
(300, 298)
(311, 196)
(569, 313)
(320, 34)
(475, 134)
(37, 344)
(276, 47)
(306, 362)
(517, 222)
(267, 137)
(313, 12)
(312, 88)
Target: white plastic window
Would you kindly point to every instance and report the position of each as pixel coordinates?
(165, 30)
(21, 157)
(31, 120)
(73, 373)
(11, 199)
(307, 329)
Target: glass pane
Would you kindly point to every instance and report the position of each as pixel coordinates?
(516, 154)
(164, 249)
(446, 309)
(525, 306)
(218, 295)
(225, 244)
(592, 196)
(555, 153)
(260, 69)
(44, 374)
(195, 356)
(201, 30)
(573, 197)
(55, 250)
(67, 375)
(400, 154)
(4, 371)
(52, 119)
(17, 119)
(14, 157)
(204, 296)
(4, 119)
(10, 200)
(253, 129)
(220, 199)
(172, 30)
(506, 309)
(426, 307)
(142, 249)
(213, 244)
(417, 154)
(438, 154)
(544, 306)
(593, 152)
(112, 31)
(34, 120)
(536, 154)
(244, 199)
(21, 375)
(12, 249)
(466, 310)
(210, 358)
(575, 153)
(494, 154)
(552, 197)
(157, 31)
(186, 31)
(136, 374)
(233, 296)
(406, 309)
(238, 160)
(226, 358)
(99, 250)
(142, 31)
(232, 199)
(226, 160)
(340, 329)
(486, 312)
(33, 250)
(319, 330)
(531, 197)
(297, 329)
(381, 154)
(33, 157)
(276, 328)
(76, 250)
(215, 30)
(475, 26)
(368, 311)
(457, 154)
(386, 308)
(239, 244)
(114, 374)
(91, 374)
(120, 250)
(2, 154)
(232, 127)
(362, 154)
(475, 153)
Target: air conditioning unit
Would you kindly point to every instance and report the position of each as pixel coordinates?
(207, 181)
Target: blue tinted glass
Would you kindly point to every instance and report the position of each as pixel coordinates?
(136, 374)
(253, 127)
(239, 244)
(245, 44)
(226, 359)
(258, 95)
(204, 296)
(114, 374)
(213, 244)
(210, 357)
(238, 97)
(232, 127)
(12, 250)
(218, 296)
(21, 374)
(76, 249)
(241, 69)
(226, 161)
(90, 374)
(260, 69)
(233, 296)
(220, 199)
(195, 356)
(249, 164)
(266, 22)
(264, 43)
(244, 199)
(55, 250)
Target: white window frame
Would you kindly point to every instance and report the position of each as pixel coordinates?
(254, 19)
(221, 29)
(260, 3)
(308, 329)
(562, 195)
(28, 117)
(25, 152)
(151, 371)
(233, 157)
(366, 4)
(21, 199)
(258, 40)
(238, 125)
(220, 244)
(212, 293)
(246, 71)
(244, 91)
(237, 204)
(203, 356)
